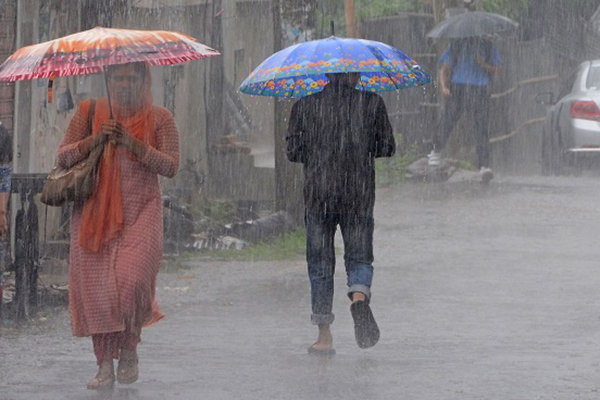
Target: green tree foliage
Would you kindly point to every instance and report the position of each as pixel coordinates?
(510, 8)
(381, 8)
(333, 10)
(515, 8)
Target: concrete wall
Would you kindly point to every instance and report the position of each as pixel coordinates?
(247, 39)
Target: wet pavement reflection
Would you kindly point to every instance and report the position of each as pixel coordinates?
(480, 292)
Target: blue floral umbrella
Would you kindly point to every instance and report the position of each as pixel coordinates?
(299, 70)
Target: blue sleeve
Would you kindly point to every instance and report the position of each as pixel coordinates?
(496, 58)
(5, 175)
(446, 57)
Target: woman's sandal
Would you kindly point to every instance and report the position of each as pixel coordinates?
(104, 379)
(127, 370)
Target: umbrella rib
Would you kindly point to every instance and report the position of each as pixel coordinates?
(285, 61)
(379, 55)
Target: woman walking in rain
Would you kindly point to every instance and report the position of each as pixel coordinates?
(116, 235)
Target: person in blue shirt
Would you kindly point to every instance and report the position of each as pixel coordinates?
(467, 67)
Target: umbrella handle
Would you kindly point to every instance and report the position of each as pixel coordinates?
(332, 27)
(108, 92)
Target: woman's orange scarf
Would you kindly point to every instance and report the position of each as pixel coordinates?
(102, 216)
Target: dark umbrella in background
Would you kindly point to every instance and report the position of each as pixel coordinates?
(471, 24)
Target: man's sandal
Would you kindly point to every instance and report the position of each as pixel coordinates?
(366, 330)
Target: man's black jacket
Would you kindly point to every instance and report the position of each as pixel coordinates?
(337, 134)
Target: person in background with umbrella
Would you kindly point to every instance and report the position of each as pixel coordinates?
(467, 67)
(116, 235)
(337, 134)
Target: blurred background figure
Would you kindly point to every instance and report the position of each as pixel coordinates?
(6, 155)
(466, 69)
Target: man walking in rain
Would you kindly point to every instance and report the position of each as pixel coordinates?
(337, 134)
(467, 67)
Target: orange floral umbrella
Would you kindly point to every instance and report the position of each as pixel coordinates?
(93, 50)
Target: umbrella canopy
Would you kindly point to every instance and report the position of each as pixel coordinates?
(470, 24)
(91, 51)
(299, 70)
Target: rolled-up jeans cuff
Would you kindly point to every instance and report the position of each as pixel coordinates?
(322, 319)
(359, 288)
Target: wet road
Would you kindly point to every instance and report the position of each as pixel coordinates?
(480, 293)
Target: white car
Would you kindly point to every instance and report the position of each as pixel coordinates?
(572, 127)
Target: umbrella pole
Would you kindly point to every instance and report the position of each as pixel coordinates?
(108, 92)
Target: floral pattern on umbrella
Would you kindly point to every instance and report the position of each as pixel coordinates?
(299, 70)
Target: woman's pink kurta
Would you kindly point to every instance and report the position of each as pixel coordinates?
(119, 281)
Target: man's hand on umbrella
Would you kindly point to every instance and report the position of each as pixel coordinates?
(481, 61)
(115, 131)
(490, 69)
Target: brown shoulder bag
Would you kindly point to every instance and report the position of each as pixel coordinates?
(75, 184)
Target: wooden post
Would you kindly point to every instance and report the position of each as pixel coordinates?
(214, 102)
(438, 10)
(288, 175)
(26, 20)
(350, 14)
(279, 126)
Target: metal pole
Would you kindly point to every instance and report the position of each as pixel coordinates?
(108, 91)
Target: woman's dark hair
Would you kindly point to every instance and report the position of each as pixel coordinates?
(139, 67)
(6, 145)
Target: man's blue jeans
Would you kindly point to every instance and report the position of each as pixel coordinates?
(357, 234)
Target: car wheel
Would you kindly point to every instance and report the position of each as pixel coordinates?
(552, 154)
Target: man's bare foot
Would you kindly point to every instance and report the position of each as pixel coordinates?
(358, 296)
(324, 343)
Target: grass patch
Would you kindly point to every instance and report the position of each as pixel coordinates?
(393, 170)
(218, 212)
(291, 246)
(174, 264)
(284, 247)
